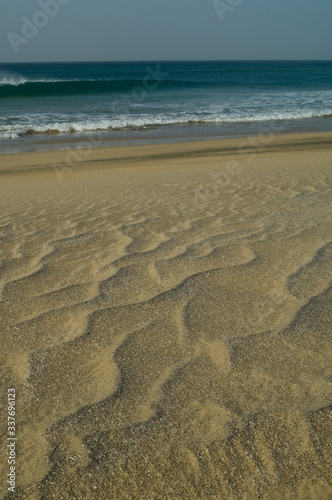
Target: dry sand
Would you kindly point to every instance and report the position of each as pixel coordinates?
(166, 320)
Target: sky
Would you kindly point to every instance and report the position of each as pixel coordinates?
(142, 30)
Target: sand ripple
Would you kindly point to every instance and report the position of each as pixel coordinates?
(162, 349)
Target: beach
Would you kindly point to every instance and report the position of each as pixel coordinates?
(166, 319)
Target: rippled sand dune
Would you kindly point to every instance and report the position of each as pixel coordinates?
(166, 321)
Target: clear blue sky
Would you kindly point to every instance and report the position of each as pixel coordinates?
(129, 30)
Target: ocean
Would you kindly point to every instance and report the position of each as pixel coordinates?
(46, 106)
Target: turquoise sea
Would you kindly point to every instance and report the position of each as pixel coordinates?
(49, 105)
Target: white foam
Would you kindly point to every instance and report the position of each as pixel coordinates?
(11, 79)
(7, 78)
(8, 135)
(255, 108)
(127, 122)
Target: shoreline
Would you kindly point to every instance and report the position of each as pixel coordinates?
(76, 159)
(168, 134)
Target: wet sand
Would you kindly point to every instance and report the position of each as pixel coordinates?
(166, 320)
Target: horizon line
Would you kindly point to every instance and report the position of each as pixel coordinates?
(164, 61)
